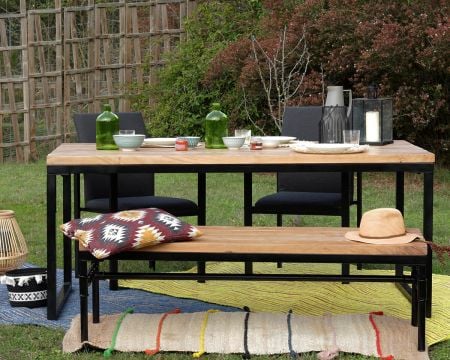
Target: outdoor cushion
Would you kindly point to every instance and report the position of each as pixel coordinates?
(287, 202)
(111, 233)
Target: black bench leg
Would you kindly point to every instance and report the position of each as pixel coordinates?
(95, 301)
(201, 270)
(421, 306)
(248, 268)
(345, 271)
(279, 223)
(113, 268)
(414, 310)
(83, 300)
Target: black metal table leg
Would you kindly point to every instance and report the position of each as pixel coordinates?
(201, 197)
(248, 199)
(400, 191)
(248, 211)
(428, 232)
(358, 198)
(113, 206)
(76, 213)
(51, 248)
(67, 215)
(55, 298)
(345, 208)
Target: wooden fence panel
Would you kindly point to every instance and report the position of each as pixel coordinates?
(56, 62)
(14, 136)
(45, 80)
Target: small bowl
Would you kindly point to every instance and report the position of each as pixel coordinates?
(192, 140)
(233, 142)
(129, 142)
(269, 142)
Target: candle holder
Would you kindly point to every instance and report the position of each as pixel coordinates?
(13, 249)
(373, 117)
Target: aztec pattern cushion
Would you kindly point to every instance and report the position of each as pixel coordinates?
(111, 233)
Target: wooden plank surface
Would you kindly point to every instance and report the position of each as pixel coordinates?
(400, 152)
(284, 240)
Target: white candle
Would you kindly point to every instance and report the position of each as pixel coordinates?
(372, 126)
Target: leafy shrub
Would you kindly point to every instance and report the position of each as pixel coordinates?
(181, 99)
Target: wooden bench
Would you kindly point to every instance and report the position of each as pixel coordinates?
(269, 244)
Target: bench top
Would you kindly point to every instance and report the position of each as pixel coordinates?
(283, 240)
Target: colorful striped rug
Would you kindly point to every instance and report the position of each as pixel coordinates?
(251, 333)
(308, 298)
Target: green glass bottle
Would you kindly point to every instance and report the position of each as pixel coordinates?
(106, 125)
(216, 126)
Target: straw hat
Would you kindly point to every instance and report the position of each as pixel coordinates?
(382, 226)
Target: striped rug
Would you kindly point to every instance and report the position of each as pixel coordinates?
(251, 333)
(308, 298)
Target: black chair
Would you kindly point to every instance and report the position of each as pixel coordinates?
(134, 191)
(308, 193)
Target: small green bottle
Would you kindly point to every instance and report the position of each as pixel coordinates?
(106, 125)
(216, 126)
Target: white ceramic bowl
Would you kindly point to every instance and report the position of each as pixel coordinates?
(233, 142)
(192, 140)
(129, 142)
(269, 142)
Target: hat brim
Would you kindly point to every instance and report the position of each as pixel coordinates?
(403, 239)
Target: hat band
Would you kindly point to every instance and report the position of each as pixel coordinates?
(382, 237)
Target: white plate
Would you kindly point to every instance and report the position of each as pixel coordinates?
(159, 142)
(329, 148)
(280, 139)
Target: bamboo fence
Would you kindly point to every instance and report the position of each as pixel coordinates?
(60, 61)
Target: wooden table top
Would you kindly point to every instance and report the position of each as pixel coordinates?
(400, 152)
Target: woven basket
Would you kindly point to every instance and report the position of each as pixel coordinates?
(13, 249)
(27, 287)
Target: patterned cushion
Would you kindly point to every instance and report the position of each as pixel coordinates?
(108, 234)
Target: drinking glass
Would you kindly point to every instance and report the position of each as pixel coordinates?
(351, 137)
(126, 132)
(244, 132)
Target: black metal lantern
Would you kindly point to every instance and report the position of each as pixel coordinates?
(373, 117)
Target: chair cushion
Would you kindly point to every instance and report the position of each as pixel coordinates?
(175, 206)
(110, 233)
(292, 202)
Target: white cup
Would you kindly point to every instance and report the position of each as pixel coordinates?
(351, 137)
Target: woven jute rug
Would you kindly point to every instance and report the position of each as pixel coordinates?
(250, 333)
(308, 298)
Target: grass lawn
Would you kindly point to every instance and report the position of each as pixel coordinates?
(22, 189)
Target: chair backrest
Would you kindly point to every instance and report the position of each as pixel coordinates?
(96, 185)
(85, 124)
(303, 123)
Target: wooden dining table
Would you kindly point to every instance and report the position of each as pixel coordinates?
(69, 160)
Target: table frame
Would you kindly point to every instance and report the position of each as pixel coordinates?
(57, 297)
